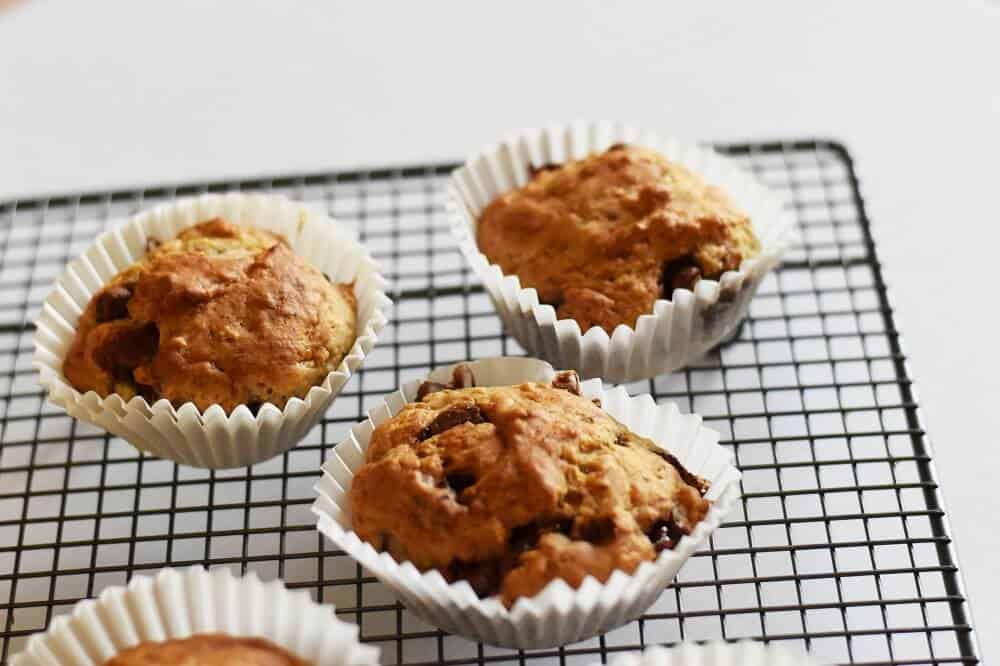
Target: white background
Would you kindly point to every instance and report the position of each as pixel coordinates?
(101, 94)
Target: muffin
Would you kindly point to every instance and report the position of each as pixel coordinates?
(207, 650)
(602, 238)
(560, 614)
(221, 315)
(512, 487)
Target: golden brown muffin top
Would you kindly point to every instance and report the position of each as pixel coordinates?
(207, 650)
(604, 237)
(511, 487)
(222, 314)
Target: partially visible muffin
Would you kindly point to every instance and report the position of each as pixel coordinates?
(207, 650)
(603, 238)
(221, 315)
(511, 487)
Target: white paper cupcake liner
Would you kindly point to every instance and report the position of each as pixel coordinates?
(181, 603)
(187, 435)
(559, 614)
(679, 330)
(716, 653)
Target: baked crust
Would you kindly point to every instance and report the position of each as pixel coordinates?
(222, 314)
(207, 650)
(511, 487)
(604, 237)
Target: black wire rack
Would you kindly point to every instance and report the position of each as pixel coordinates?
(840, 545)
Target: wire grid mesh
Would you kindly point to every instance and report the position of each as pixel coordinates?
(840, 545)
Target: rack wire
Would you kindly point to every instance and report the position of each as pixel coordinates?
(840, 545)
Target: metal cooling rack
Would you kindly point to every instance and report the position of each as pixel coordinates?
(840, 545)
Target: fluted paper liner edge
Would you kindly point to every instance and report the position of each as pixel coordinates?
(177, 603)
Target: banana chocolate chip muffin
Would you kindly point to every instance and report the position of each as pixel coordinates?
(603, 238)
(221, 315)
(207, 650)
(511, 487)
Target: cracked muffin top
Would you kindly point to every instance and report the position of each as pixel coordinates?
(207, 650)
(511, 487)
(221, 315)
(602, 238)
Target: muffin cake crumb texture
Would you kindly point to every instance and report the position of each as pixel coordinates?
(602, 238)
(222, 314)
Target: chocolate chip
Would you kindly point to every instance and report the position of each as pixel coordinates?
(686, 278)
(483, 577)
(462, 377)
(562, 526)
(728, 294)
(147, 392)
(523, 537)
(681, 273)
(535, 170)
(697, 482)
(459, 481)
(112, 303)
(429, 387)
(454, 415)
(664, 535)
(486, 576)
(567, 380)
(598, 531)
(554, 302)
(140, 347)
(127, 348)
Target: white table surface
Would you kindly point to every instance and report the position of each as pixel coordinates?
(102, 94)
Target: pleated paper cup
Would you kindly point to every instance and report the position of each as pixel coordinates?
(559, 614)
(181, 603)
(677, 331)
(187, 435)
(716, 653)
